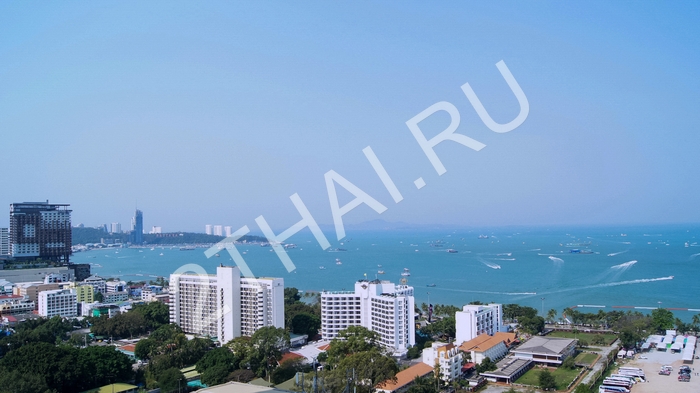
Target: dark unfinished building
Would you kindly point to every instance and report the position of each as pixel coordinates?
(40, 230)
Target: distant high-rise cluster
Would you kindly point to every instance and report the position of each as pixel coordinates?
(40, 230)
(218, 230)
(115, 228)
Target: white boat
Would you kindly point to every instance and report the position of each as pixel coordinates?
(338, 262)
(161, 254)
(380, 272)
(322, 268)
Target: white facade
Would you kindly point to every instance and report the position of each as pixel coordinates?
(380, 306)
(98, 283)
(207, 229)
(4, 241)
(262, 304)
(228, 230)
(156, 230)
(115, 297)
(115, 286)
(447, 357)
(58, 302)
(225, 305)
(474, 320)
(218, 230)
(115, 228)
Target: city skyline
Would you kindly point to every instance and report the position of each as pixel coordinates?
(608, 140)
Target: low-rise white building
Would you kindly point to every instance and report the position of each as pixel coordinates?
(380, 306)
(115, 286)
(485, 346)
(115, 297)
(446, 356)
(474, 320)
(98, 283)
(60, 302)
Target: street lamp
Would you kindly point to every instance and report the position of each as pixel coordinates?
(542, 306)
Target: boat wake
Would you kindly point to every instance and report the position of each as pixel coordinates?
(535, 249)
(694, 255)
(611, 284)
(624, 266)
(555, 259)
(612, 254)
(503, 259)
(492, 265)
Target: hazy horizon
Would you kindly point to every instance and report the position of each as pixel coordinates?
(215, 113)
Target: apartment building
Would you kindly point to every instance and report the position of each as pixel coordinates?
(447, 357)
(225, 305)
(60, 302)
(475, 320)
(380, 306)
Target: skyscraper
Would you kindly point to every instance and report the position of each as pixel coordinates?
(207, 229)
(227, 231)
(4, 242)
(218, 230)
(115, 228)
(137, 228)
(40, 230)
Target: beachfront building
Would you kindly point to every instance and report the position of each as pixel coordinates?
(474, 320)
(447, 356)
(60, 302)
(484, 346)
(546, 350)
(224, 305)
(508, 370)
(380, 306)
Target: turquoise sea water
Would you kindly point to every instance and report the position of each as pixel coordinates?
(512, 266)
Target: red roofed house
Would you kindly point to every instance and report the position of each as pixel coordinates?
(484, 346)
(404, 378)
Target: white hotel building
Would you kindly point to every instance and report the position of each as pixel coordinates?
(474, 320)
(380, 306)
(62, 302)
(225, 305)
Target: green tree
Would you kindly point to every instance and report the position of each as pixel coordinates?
(569, 363)
(171, 380)
(145, 348)
(662, 319)
(216, 365)
(155, 314)
(371, 367)
(552, 315)
(98, 296)
(486, 365)
(354, 339)
(532, 325)
(582, 388)
(546, 380)
(14, 381)
(266, 349)
(306, 323)
(422, 385)
(629, 338)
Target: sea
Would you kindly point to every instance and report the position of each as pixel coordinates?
(592, 268)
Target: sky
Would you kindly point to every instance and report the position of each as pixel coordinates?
(217, 112)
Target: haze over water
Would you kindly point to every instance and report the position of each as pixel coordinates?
(514, 265)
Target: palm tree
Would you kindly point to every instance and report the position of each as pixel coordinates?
(552, 315)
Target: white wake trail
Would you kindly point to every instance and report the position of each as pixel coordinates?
(624, 265)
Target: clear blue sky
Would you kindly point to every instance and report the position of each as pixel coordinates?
(215, 113)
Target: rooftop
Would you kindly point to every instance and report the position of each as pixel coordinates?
(406, 377)
(508, 367)
(482, 342)
(546, 345)
(237, 387)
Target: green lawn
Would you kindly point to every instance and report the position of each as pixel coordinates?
(609, 337)
(586, 358)
(561, 375)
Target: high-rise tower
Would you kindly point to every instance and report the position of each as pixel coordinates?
(40, 230)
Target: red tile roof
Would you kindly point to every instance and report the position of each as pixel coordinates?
(289, 356)
(405, 377)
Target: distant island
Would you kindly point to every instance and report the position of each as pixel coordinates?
(97, 235)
